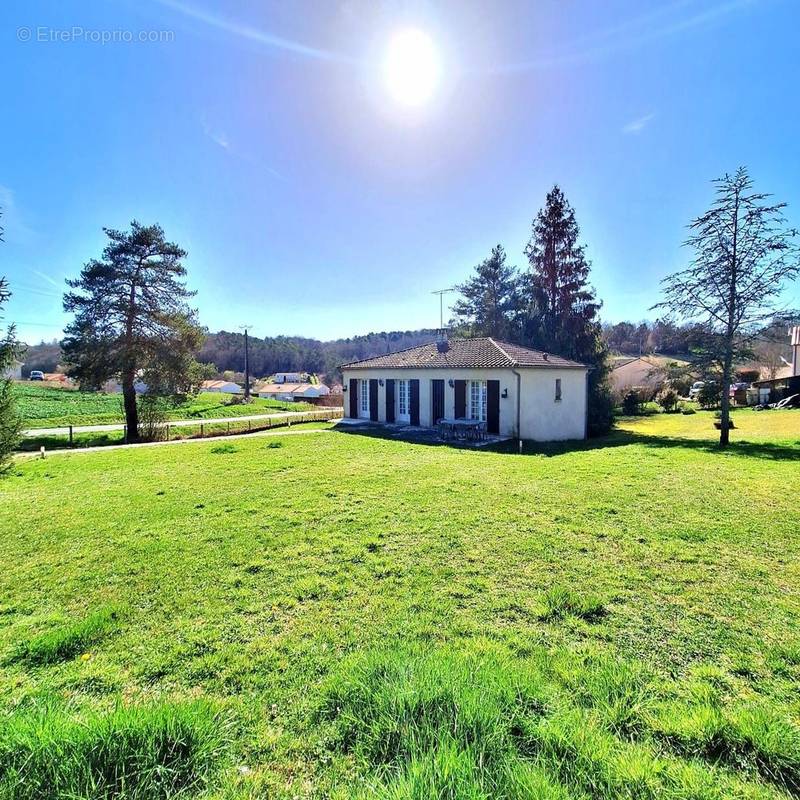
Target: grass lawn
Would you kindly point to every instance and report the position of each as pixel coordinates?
(344, 616)
(48, 406)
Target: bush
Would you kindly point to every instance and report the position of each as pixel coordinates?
(601, 410)
(10, 424)
(633, 401)
(667, 398)
(152, 418)
(710, 395)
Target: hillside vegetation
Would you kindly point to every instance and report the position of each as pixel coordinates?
(47, 406)
(338, 615)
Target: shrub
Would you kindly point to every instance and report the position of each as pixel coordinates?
(667, 398)
(10, 424)
(133, 753)
(66, 641)
(633, 401)
(152, 418)
(710, 395)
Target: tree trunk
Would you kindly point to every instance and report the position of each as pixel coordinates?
(131, 412)
(725, 415)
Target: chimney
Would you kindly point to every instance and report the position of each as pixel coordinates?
(442, 344)
(794, 334)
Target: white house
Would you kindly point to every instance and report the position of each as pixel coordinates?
(290, 377)
(226, 387)
(293, 391)
(517, 391)
(13, 372)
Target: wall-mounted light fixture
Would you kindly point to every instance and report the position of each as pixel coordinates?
(380, 381)
(344, 388)
(505, 393)
(451, 383)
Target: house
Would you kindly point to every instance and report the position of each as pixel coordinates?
(787, 380)
(289, 377)
(13, 372)
(517, 391)
(293, 391)
(630, 371)
(226, 387)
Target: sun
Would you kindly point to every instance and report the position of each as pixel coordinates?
(411, 68)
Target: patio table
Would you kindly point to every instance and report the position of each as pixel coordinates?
(462, 428)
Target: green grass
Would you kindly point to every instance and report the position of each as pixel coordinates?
(47, 406)
(613, 619)
(61, 642)
(146, 752)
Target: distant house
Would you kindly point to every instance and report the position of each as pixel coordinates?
(58, 377)
(225, 387)
(514, 390)
(629, 371)
(289, 377)
(14, 372)
(113, 386)
(293, 391)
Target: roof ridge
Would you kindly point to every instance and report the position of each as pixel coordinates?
(513, 361)
(392, 353)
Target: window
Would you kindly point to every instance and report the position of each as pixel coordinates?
(558, 390)
(477, 400)
(403, 408)
(363, 395)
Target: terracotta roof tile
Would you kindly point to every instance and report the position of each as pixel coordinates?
(465, 353)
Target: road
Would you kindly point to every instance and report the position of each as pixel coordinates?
(63, 430)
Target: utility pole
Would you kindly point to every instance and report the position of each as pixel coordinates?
(246, 366)
(442, 293)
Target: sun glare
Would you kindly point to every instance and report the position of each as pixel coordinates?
(411, 67)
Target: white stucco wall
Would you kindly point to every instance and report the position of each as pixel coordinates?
(541, 417)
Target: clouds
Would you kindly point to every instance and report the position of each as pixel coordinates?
(217, 136)
(636, 126)
(16, 231)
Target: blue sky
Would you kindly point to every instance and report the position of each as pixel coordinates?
(262, 137)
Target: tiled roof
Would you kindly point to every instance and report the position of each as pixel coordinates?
(465, 353)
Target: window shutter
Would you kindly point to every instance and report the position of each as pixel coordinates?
(354, 398)
(493, 406)
(373, 399)
(413, 385)
(390, 400)
(461, 399)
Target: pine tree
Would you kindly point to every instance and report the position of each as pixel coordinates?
(744, 254)
(561, 310)
(132, 321)
(489, 300)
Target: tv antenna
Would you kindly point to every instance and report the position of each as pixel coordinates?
(442, 293)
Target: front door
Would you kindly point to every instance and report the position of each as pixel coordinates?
(403, 402)
(354, 398)
(363, 398)
(437, 400)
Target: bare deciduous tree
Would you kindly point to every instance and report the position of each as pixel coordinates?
(744, 254)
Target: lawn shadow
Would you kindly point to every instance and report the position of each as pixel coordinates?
(766, 450)
(617, 438)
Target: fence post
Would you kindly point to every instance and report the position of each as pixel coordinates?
(248, 426)
(70, 436)
(125, 434)
(168, 431)
(202, 430)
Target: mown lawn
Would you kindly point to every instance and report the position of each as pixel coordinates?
(335, 615)
(48, 406)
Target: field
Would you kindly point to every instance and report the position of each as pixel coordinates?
(47, 406)
(337, 615)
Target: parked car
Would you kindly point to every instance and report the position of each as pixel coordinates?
(37, 375)
(695, 390)
(739, 386)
